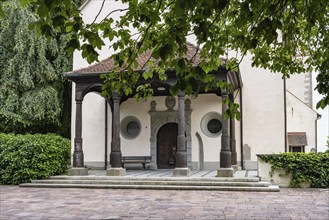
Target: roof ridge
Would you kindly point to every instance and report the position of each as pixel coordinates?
(107, 64)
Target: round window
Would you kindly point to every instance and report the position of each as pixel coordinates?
(211, 124)
(214, 126)
(133, 128)
(130, 127)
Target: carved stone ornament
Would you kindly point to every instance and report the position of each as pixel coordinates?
(170, 102)
(153, 105)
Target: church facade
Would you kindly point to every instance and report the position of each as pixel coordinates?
(188, 132)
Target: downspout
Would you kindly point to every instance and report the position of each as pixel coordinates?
(106, 129)
(241, 129)
(316, 132)
(285, 113)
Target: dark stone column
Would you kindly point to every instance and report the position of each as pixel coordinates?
(225, 169)
(232, 139)
(78, 168)
(181, 140)
(115, 155)
(233, 142)
(181, 155)
(225, 153)
(78, 153)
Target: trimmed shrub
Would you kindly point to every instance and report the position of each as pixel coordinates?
(304, 167)
(27, 157)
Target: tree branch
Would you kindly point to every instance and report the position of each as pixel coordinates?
(99, 12)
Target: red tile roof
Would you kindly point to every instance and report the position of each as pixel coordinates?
(106, 65)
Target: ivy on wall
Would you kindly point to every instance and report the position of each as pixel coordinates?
(304, 167)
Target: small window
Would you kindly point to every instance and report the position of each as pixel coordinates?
(133, 128)
(130, 127)
(297, 149)
(214, 126)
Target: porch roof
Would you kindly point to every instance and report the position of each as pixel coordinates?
(107, 65)
(88, 78)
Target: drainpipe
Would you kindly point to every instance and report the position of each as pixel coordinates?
(106, 129)
(316, 132)
(241, 129)
(285, 113)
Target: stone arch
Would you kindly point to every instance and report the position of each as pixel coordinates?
(160, 118)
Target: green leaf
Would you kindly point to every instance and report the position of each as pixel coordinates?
(167, 48)
(42, 10)
(1, 11)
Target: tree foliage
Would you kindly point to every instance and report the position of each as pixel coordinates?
(33, 92)
(285, 36)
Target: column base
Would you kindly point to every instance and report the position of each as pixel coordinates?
(181, 171)
(119, 171)
(236, 168)
(153, 166)
(225, 172)
(78, 171)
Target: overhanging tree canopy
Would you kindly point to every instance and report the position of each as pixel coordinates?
(285, 36)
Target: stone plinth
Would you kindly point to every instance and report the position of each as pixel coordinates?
(225, 172)
(181, 171)
(78, 171)
(115, 171)
(236, 168)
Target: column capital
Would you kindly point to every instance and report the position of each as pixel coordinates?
(181, 94)
(115, 97)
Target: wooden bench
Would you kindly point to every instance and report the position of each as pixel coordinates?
(136, 159)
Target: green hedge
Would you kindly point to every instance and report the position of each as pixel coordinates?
(27, 157)
(304, 167)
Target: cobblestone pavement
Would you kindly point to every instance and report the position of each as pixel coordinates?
(47, 203)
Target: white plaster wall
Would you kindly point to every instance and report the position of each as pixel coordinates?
(93, 128)
(73, 109)
(263, 110)
(139, 146)
(89, 12)
(200, 106)
(301, 86)
(301, 118)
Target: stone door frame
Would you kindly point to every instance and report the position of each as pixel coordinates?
(160, 118)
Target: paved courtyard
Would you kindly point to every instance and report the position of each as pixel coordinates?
(50, 203)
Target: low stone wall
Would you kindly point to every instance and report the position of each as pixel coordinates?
(264, 170)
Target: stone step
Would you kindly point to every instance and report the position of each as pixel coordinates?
(270, 188)
(151, 182)
(142, 178)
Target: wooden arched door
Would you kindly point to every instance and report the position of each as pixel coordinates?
(167, 146)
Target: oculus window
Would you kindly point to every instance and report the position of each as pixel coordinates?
(211, 124)
(130, 127)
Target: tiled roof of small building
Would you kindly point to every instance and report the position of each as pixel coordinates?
(297, 139)
(106, 65)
